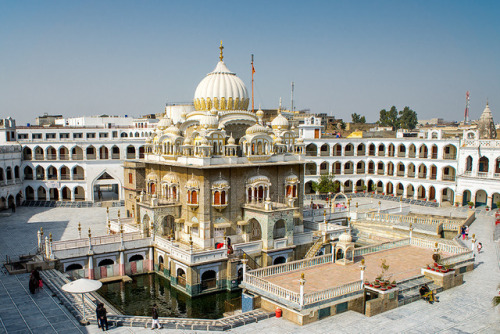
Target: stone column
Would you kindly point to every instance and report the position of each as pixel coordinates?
(121, 268)
(411, 232)
(244, 262)
(473, 242)
(151, 258)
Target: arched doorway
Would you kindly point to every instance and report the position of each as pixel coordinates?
(466, 197)
(279, 230)
(340, 254)
(41, 194)
(181, 277)
(54, 194)
(255, 230)
(208, 280)
(168, 225)
(481, 198)
(29, 193)
(106, 188)
(279, 260)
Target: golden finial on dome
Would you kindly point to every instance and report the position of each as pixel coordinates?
(221, 48)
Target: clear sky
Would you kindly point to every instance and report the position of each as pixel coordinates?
(131, 57)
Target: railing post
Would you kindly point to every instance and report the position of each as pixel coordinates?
(50, 247)
(473, 243)
(91, 266)
(121, 268)
(411, 231)
(362, 268)
(39, 238)
(47, 247)
(79, 230)
(302, 282)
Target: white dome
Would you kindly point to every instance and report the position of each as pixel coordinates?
(280, 122)
(164, 123)
(231, 140)
(345, 237)
(221, 89)
(256, 128)
(209, 120)
(188, 141)
(173, 130)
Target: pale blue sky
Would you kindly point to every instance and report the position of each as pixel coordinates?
(130, 57)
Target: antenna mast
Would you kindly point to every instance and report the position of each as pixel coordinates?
(253, 71)
(293, 85)
(466, 114)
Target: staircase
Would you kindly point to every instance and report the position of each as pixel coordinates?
(314, 248)
(240, 253)
(409, 289)
(54, 280)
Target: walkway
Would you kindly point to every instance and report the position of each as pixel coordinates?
(465, 309)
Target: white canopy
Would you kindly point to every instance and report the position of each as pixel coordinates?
(82, 285)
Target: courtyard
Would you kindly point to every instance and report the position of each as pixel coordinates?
(464, 309)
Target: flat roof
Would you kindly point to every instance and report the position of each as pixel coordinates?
(404, 262)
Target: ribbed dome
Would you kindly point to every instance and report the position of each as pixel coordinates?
(256, 128)
(292, 178)
(221, 89)
(486, 116)
(221, 184)
(192, 183)
(188, 141)
(164, 123)
(280, 122)
(170, 178)
(231, 140)
(209, 120)
(204, 142)
(173, 130)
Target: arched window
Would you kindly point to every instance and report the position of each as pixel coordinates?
(216, 198)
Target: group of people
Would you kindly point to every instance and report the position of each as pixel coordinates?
(35, 282)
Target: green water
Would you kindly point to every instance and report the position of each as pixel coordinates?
(138, 297)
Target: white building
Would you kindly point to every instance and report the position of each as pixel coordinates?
(427, 167)
(10, 163)
(77, 163)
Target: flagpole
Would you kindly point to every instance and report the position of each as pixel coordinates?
(253, 70)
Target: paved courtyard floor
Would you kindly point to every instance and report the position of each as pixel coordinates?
(464, 309)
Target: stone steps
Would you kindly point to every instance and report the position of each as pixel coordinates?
(409, 289)
(54, 280)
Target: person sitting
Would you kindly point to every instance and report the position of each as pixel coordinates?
(426, 293)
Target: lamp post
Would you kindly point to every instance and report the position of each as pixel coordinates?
(362, 268)
(302, 282)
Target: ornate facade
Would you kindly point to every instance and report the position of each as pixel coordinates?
(219, 178)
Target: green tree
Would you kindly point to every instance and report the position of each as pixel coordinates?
(358, 118)
(407, 119)
(389, 118)
(325, 184)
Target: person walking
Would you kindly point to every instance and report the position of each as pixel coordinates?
(479, 247)
(33, 283)
(155, 318)
(467, 233)
(103, 319)
(462, 231)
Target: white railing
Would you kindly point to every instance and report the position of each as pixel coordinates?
(389, 219)
(443, 247)
(380, 247)
(483, 143)
(95, 241)
(278, 291)
(318, 296)
(292, 266)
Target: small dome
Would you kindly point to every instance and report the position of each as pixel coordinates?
(170, 178)
(259, 113)
(172, 129)
(192, 183)
(231, 140)
(258, 179)
(221, 184)
(164, 123)
(292, 178)
(256, 128)
(278, 140)
(280, 122)
(188, 141)
(209, 121)
(345, 237)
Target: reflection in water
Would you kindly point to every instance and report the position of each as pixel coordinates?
(138, 297)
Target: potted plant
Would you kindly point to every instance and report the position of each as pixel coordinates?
(367, 283)
(363, 187)
(393, 284)
(470, 204)
(487, 208)
(456, 204)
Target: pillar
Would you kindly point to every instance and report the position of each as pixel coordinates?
(91, 266)
(150, 259)
(362, 268)
(121, 269)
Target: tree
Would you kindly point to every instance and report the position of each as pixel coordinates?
(358, 118)
(408, 119)
(325, 185)
(389, 118)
